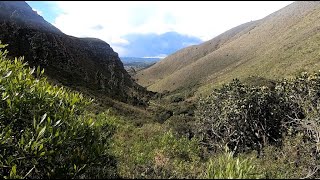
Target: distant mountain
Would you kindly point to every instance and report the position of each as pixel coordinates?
(154, 45)
(134, 64)
(126, 60)
(87, 63)
(280, 45)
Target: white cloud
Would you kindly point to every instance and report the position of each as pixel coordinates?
(38, 11)
(203, 19)
(119, 49)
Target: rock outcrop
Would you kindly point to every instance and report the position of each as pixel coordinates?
(75, 62)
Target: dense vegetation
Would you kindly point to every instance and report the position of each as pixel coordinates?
(45, 131)
(238, 131)
(284, 118)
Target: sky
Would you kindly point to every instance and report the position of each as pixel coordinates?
(151, 28)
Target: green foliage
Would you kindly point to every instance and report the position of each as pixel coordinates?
(294, 160)
(242, 117)
(259, 81)
(225, 166)
(181, 125)
(163, 116)
(49, 132)
(45, 131)
(153, 152)
(247, 118)
(176, 98)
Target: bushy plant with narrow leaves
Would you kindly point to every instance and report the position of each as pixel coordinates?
(226, 166)
(242, 117)
(247, 118)
(45, 131)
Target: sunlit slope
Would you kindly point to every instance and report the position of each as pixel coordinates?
(189, 55)
(279, 45)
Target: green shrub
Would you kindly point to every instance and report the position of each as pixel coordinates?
(242, 117)
(293, 160)
(176, 98)
(153, 152)
(225, 166)
(247, 118)
(181, 125)
(259, 81)
(45, 131)
(162, 116)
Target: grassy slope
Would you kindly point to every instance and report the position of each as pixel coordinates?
(188, 55)
(280, 45)
(138, 115)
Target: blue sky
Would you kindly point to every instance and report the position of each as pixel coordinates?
(143, 28)
(47, 9)
(154, 45)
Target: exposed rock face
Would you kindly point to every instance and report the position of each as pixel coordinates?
(75, 62)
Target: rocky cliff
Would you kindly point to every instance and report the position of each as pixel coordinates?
(75, 62)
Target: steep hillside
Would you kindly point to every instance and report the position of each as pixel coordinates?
(187, 56)
(279, 45)
(82, 63)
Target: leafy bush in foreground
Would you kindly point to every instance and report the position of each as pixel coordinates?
(226, 166)
(152, 152)
(242, 117)
(45, 131)
(247, 118)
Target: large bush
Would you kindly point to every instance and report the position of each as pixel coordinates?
(247, 117)
(45, 131)
(242, 117)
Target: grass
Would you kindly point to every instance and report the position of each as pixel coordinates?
(275, 47)
(53, 132)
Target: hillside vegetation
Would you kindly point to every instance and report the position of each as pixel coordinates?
(242, 105)
(45, 130)
(89, 64)
(282, 44)
(238, 131)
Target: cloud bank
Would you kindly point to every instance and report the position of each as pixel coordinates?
(117, 21)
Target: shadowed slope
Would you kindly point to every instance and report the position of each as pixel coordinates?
(88, 63)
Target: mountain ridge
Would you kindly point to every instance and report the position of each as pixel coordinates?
(75, 62)
(267, 44)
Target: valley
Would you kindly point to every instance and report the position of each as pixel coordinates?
(244, 104)
(134, 64)
(286, 39)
